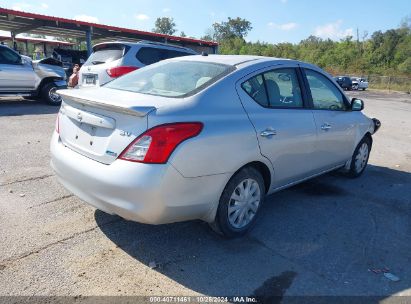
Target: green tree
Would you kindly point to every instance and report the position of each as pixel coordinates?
(233, 28)
(165, 25)
(384, 53)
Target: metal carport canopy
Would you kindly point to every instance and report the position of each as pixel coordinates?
(23, 22)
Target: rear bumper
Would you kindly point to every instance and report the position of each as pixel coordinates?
(152, 194)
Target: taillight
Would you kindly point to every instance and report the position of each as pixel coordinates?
(156, 145)
(58, 123)
(121, 70)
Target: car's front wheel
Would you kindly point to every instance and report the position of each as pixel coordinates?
(240, 203)
(360, 157)
(49, 94)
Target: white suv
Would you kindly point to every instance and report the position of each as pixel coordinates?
(110, 60)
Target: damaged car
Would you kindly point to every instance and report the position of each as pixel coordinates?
(21, 76)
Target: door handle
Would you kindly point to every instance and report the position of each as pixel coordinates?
(268, 133)
(325, 127)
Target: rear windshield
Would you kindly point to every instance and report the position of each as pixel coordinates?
(106, 53)
(171, 78)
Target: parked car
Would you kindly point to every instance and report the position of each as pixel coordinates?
(359, 83)
(344, 82)
(20, 76)
(110, 60)
(206, 137)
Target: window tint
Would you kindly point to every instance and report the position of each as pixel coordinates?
(324, 93)
(172, 54)
(171, 79)
(8, 56)
(256, 89)
(283, 88)
(277, 89)
(149, 55)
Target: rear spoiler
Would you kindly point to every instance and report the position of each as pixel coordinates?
(135, 111)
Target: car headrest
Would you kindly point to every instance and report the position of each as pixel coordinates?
(202, 81)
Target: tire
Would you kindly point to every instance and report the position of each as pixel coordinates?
(49, 95)
(359, 160)
(235, 218)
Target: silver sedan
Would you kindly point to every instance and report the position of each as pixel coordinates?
(206, 137)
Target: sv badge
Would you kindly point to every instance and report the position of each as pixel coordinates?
(125, 133)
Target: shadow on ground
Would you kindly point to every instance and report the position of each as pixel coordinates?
(317, 238)
(19, 106)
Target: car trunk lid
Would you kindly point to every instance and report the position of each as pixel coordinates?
(94, 124)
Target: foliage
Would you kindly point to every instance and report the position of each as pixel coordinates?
(165, 25)
(384, 53)
(233, 28)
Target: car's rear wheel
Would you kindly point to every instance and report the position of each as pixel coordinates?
(240, 203)
(49, 94)
(360, 157)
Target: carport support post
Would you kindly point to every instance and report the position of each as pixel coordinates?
(89, 34)
(13, 40)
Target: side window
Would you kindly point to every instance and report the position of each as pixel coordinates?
(256, 89)
(275, 89)
(8, 57)
(172, 54)
(147, 55)
(283, 88)
(325, 94)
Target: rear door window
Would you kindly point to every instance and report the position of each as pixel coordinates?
(256, 89)
(149, 55)
(278, 88)
(172, 54)
(106, 53)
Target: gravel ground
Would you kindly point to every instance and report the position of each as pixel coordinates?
(317, 238)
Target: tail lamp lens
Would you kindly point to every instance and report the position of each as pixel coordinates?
(157, 144)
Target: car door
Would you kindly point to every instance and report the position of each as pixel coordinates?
(15, 75)
(284, 126)
(335, 122)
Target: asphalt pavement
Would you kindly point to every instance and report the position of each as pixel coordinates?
(330, 236)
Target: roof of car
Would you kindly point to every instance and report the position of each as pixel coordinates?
(150, 43)
(233, 60)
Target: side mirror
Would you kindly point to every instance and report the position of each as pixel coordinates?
(357, 104)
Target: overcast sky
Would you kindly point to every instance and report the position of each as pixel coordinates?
(273, 21)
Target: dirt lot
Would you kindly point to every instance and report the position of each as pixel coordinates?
(318, 238)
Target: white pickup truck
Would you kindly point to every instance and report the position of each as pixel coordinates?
(359, 83)
(20, 76)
